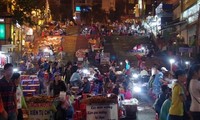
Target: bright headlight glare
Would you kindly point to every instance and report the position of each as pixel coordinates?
(135, 76)
(85, 71)
(15, 70)
(137, 89)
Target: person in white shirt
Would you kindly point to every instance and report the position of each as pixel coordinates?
(194, 90)
(20, 101)
(75, 79)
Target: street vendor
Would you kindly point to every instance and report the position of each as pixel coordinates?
(57, 85)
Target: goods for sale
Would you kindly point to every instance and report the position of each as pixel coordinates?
(39, 99)
(132, 101)
(100, 100)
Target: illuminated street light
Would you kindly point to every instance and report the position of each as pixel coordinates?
(15, 70)
(171, 61)
(187, 63)
(46, 50)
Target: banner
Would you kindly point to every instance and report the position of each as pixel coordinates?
(102, 112)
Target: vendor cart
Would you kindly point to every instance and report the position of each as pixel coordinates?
(130, 108)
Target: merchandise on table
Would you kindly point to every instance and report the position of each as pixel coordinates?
(100, 100)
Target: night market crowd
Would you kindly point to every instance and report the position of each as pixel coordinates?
(176, 95)
(180, 99)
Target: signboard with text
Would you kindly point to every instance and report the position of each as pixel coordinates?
(102, 112)
(2, 32)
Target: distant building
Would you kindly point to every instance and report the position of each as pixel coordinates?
(108, 4)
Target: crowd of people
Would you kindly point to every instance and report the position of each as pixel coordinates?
(179, 101)
(115, 28)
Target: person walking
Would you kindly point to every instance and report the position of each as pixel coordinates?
(57, 85)
(19, 96)
(176, 110)
(194, 90)
(75, 79)
(7, 91)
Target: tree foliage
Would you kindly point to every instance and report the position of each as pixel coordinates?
(115, 14)
(98, 14)
(86, 14)
(55, 9)
(22, 9)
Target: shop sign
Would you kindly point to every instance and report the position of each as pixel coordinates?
(2, 32)
(185, 49)
(102, 112)
(40, 114)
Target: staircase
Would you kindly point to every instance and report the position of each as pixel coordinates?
(119, 46)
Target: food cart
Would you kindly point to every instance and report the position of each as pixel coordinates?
(130, 108)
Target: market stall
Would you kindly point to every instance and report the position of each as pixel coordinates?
(80, 54)
(30, 85)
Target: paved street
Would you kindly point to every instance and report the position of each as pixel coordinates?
(145, 112)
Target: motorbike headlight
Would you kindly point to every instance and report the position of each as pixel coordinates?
(137, 89)
(135, 75)
(85, 71)
(15, 70)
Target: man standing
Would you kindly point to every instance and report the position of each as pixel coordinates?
(157, 82)
(75, 79)
(7, 91)
(178, 97)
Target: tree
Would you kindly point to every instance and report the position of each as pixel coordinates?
(86, 14)
(21, 10)
(98, 14)
(115, 14)
(55, 9)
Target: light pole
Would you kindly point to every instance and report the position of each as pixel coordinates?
(187, 63)
(171, 61)
(18, 42)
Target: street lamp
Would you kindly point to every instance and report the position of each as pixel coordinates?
(171, 61)
(187, 63)
(18, 42)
